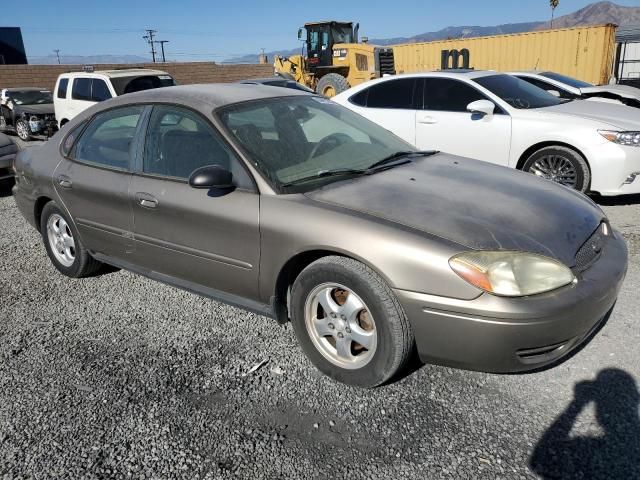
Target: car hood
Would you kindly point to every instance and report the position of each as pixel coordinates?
(619, 116)
(474, 204)
(625, 91)
(44, 109)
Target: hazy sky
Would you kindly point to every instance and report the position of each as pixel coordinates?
(215, 30)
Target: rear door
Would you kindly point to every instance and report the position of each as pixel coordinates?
(202, 238)
(391, 104)
(93, 180)
(445, 124)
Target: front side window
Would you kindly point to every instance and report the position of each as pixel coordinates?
(447, 95)
(62, 88)
(108, 139)
(180, 141)
(397, 94)
(81, 89)
(292, 138)
(99, 90)
(518, 93)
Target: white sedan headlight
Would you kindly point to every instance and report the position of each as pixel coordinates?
(511, 274)
(630, 139)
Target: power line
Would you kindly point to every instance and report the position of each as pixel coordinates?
(149, 38)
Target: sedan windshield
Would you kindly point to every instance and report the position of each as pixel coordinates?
(295, 139)
(567, 80)
(518, 93)
(31, 97)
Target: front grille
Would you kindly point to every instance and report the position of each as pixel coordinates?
(386, 63)
(592, 248)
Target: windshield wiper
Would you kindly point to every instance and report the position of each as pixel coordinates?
(326, 173)
(398, 155)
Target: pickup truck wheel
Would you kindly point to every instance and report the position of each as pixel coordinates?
(63, 244)
(349, 322)
(561, 165)
(23, 130)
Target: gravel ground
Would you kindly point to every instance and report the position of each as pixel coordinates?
(119, 376)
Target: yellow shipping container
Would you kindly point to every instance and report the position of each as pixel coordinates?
(586, 53)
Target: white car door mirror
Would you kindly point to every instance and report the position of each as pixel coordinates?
(555, 93)
(484, 107)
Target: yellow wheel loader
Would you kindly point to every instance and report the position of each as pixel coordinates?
(333, 60)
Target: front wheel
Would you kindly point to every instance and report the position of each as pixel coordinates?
(23, 130)
(561, 165)
(331, 85)
(349, 322)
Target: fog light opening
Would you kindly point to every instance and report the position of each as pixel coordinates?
(631, 178)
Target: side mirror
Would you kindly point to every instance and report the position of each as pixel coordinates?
(211, 176)
(484, 107)
(555, 93)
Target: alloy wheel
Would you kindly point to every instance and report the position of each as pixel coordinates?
(340, 326)
(61, 240)
(557, 169)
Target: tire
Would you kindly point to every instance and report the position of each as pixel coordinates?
(23, 130)
(75, 262)
(372, 313)
(561, 165)
(331, 85)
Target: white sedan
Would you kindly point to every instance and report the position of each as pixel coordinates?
(498, 118)
(574, 89)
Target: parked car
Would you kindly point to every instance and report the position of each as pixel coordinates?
(8, 151)
(277, 82)
(294, 207)
(498, 118)
(574, 89)
(27, 111)
(77, 91)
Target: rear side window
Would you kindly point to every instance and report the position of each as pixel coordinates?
(81, 89)
(446, 95)
(99, 90)
(62, 88)
(398, 94)
(108, 139)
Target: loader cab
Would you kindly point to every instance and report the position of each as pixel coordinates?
(320, 38)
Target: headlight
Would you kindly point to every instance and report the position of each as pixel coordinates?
(511, 274)
(340, 52)
(631, 139)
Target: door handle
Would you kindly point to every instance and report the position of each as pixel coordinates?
(427, 120)
(65, 182)
(145, 200)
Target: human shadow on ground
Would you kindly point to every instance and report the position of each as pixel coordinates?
(615, 454)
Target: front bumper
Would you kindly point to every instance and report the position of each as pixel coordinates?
(501, 335)
(615, 170)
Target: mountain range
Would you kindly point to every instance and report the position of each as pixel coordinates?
(593, 14)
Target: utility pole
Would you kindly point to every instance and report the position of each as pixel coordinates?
(149, 38)
(58, 54)
(553, 4)
(162, 42)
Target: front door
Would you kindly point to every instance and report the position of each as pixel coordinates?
(444, 123)
(93, 181)
(199, 238)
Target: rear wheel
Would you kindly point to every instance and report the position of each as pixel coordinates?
(331, 85)
(561, 165)
(349, 322)
(23, 130)
(63, 244)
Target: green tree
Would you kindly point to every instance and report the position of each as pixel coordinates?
(554, 4)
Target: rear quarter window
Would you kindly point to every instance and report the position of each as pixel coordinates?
(63, 84)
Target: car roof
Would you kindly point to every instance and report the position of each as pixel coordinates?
(27, 89)
(124, 72)
(266, 79)
(211, 95)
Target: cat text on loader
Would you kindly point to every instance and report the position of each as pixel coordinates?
(334, 59)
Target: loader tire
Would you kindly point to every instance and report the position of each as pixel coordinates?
(331, 85)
